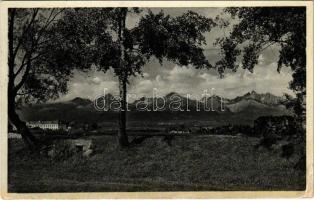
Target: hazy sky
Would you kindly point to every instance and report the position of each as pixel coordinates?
(181, 79)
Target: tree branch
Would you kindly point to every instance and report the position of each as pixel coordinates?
(23, 62)
(49, 21)
(24, 32)
(24, 77)
(21, 66)
(11, 50)
(25, 93)
(266, 46)
(28, 55)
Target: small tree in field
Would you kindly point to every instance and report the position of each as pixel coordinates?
(176, 39)
(126, 51)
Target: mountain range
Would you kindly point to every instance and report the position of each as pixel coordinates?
(242, 109)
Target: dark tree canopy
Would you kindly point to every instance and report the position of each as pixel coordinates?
(43, 56)
(261, 27)
(177, 39)
(44, 48)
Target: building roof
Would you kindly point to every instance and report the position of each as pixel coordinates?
(45, 122)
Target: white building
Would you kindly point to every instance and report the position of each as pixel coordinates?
(52, 125)
(14, 136)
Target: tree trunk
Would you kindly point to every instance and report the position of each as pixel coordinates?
(122, 135)
(29, 139)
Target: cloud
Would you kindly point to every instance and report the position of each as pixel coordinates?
(263, 79)
(143, 87)
(90, 84)
(96, 80)
(183, 80)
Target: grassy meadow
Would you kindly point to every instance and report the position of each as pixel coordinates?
(194, 162)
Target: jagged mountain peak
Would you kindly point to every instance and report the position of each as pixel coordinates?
(264, 98)
(173, 94)
(81, 101)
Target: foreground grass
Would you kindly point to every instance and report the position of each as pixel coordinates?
(189, 163)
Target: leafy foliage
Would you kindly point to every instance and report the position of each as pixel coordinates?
(177, 39)
(44, 53)
(261, 27)
(230, 51)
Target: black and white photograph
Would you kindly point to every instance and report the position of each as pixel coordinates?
(156, 99)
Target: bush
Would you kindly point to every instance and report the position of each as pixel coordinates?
(61, 150)
(275, 126)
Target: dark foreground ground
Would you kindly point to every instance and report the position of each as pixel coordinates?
(189, 163)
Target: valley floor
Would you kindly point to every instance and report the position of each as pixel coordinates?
(189, 163)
